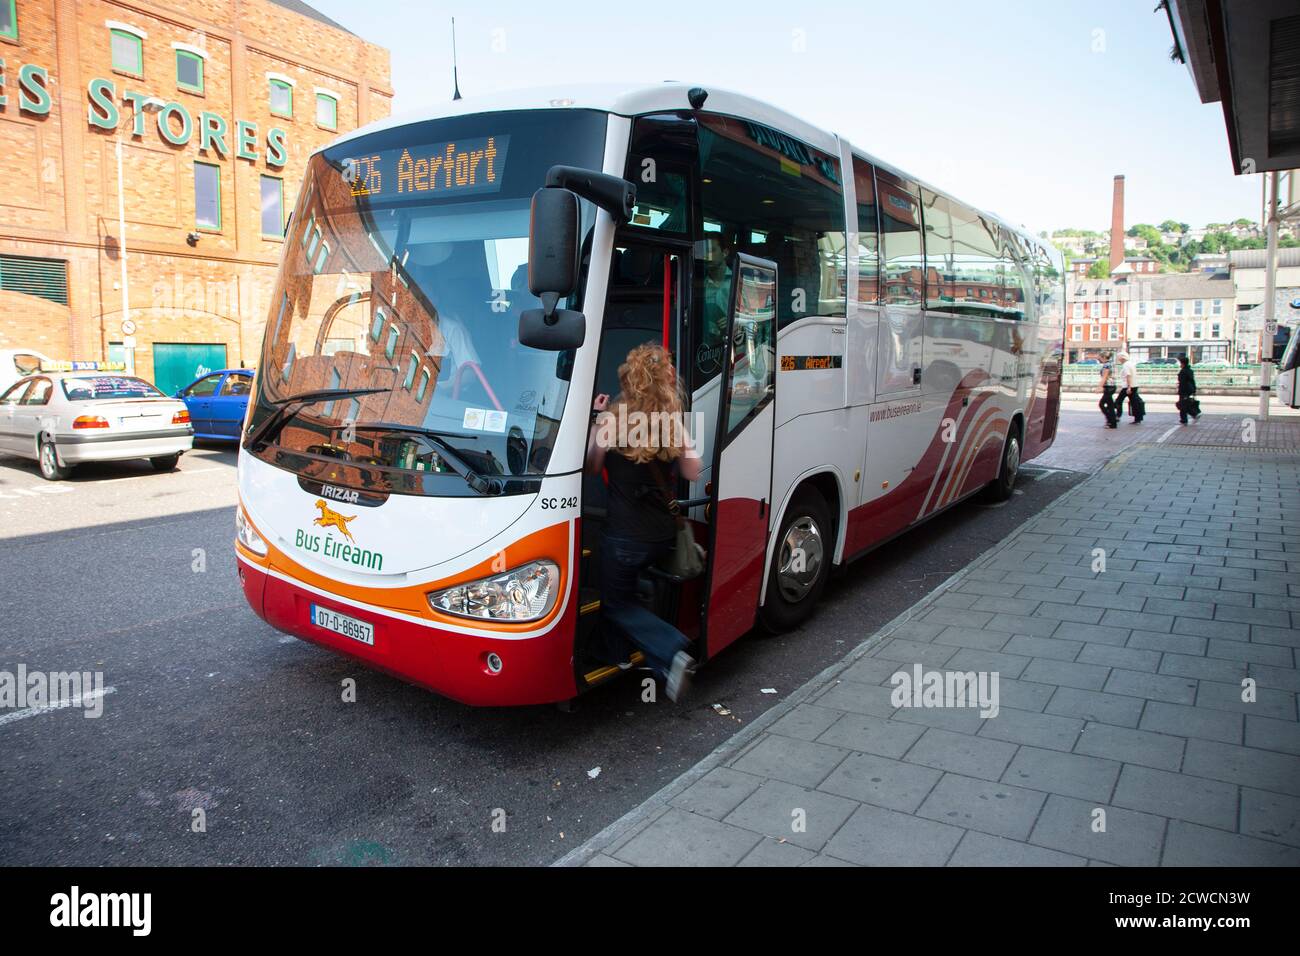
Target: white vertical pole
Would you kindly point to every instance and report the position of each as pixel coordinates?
(121, 255)
(1270, 293)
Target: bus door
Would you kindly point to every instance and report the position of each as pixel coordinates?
(645, 303)
(1288, 373)
(742, 456)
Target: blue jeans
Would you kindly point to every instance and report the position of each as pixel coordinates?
(623, 618)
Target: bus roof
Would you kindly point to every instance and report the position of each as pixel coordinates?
(640, 99)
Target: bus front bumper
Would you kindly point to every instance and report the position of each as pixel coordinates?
(534, 670)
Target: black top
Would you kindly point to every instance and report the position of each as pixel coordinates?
(1186, 381)
(638, 508)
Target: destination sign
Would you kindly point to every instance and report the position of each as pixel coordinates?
(461, 168)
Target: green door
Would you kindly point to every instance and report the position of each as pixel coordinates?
(176, 365)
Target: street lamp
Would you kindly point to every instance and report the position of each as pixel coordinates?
(151, 105)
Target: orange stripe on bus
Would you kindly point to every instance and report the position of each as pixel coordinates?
(551, 542)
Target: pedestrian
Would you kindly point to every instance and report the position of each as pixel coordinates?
(1107, 403)
(641, 524)
(1128, 388)
(1187, 403)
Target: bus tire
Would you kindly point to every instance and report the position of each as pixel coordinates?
(1003, 486)
(47, 456)
(801, 563)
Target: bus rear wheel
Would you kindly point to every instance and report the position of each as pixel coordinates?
(1004, 485)
(801, 563)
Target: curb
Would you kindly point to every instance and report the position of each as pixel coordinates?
(641, 815)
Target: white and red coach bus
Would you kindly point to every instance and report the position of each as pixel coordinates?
(864, 351)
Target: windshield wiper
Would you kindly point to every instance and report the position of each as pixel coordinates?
(482, 484)
(285, 409)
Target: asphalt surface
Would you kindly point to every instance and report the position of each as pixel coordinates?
(132, 573)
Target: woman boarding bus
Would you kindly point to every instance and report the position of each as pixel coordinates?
(859, 351)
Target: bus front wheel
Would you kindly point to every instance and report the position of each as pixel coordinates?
(801, 563)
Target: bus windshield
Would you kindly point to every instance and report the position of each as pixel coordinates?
(398, 300)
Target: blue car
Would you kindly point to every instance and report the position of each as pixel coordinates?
(217, 403)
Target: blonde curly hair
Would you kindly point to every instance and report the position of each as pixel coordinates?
(649, 394)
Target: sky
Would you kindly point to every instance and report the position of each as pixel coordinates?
(1025, 108)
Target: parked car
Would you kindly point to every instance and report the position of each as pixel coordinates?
(1087, 362)
(62, 419)
(19, 363)
(217, 403)
(1169, 360)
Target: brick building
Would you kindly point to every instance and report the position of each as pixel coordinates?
(215, 106)
(1095, 317)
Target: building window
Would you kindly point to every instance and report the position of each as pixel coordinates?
(9, 19)
(1159, 332)
(1160, 306)
(1198, 307)
(1178, 307)
(1178, 330)
(391, 346)
(424, 385)
(207, 196)
(189, 71)
(1214, 330)
(1216, 307)
(1078, 310)
(1142, 331)
(411, 368)
(1197, 329)
(43, 278)
(319, 266)
(272, 206)
(128, 52)
(377, 327)
(281, 99)
(1142, 308)
(327, 111)
(1077, 333)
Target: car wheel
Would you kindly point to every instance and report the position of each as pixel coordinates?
(800, 565)
(1002, 487)
(165, 462)
(48, 457)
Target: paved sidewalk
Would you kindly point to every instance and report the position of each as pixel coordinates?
(1121, 698)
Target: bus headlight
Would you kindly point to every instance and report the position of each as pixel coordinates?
(525, 593)
(245, 534)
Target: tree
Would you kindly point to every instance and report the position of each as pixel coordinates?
(1099, 270)
(1170, 226)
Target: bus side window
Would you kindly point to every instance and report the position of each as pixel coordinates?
(904, 282)
(765, 193)
(864, 176)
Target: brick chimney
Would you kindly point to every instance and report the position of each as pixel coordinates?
(1117, 225)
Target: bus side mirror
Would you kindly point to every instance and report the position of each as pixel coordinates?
(553, 272)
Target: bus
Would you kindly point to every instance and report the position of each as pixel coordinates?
(860, 351)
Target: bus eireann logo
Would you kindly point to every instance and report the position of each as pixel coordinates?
(329, 518)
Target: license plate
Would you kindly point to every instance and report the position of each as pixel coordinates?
(342, 624)
(139, 423)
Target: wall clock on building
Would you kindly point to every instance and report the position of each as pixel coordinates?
(128, 327)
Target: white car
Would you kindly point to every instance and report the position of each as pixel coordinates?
(62, 419)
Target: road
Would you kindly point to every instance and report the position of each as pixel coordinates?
(131, 573)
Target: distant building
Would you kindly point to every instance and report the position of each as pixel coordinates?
(1080, 267)
(1210, 262)
(1142, 265)
(1247, 267)
(1250, 322)
(1188, 314)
